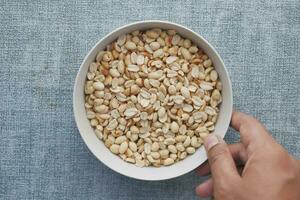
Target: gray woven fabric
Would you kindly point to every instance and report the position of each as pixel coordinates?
(43, 44)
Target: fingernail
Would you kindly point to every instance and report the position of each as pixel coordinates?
(210, 142)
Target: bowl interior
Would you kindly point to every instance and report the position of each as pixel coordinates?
(98, 148)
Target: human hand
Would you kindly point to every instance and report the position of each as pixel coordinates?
(268, 172)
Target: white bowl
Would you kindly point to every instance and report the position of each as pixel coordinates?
(98, 148)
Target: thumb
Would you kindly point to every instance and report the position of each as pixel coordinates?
(220, 160)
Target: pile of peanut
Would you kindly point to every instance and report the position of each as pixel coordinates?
(152, 97)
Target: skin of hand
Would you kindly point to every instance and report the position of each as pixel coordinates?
(268, 172)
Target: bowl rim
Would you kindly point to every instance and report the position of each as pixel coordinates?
(77, 118)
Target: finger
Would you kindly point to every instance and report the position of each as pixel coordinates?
(204, 169)
(238, 153)
(220, 160)
(251, 130)
(205, 189)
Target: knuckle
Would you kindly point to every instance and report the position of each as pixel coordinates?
(217, 153)
(225, 189)
(250, 121)
(222, 191)
(247, 120)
